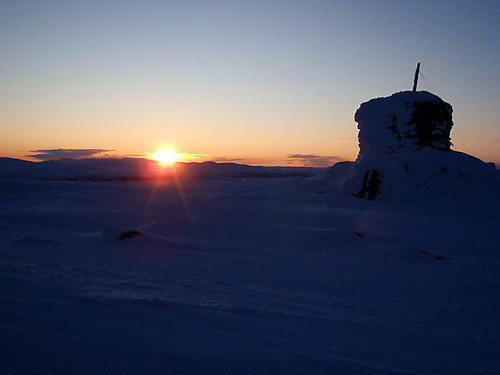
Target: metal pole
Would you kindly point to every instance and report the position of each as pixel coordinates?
(415, 79)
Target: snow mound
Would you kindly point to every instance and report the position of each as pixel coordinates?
(405, 154)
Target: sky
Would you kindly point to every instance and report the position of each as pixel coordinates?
(270, 82)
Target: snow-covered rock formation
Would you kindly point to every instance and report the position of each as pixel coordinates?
(404, 122)
(405, 153)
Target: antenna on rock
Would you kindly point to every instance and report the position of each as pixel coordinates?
(415, 79)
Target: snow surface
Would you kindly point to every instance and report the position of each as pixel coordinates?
(244, 275)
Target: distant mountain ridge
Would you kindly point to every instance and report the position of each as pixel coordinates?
(137, 169)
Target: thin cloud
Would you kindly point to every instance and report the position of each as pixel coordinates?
(313, 160)
(223, 159)
(199, 158)
(68, 153)
(135, 156)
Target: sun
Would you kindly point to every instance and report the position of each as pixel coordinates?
(165, 156)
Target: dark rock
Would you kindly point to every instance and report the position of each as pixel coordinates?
(129, 234)
(371, 185)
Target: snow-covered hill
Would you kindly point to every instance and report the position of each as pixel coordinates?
(124, 169)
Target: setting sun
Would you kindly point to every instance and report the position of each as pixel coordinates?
(165, 156)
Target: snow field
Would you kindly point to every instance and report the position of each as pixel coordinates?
(243, 275)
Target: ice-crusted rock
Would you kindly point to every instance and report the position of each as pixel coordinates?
(405, 154)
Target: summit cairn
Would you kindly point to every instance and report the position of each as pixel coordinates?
(404, 122)
(405, 153)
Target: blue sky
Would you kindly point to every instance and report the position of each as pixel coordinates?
(249, 81)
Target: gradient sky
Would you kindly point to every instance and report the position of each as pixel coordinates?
(259, 82)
